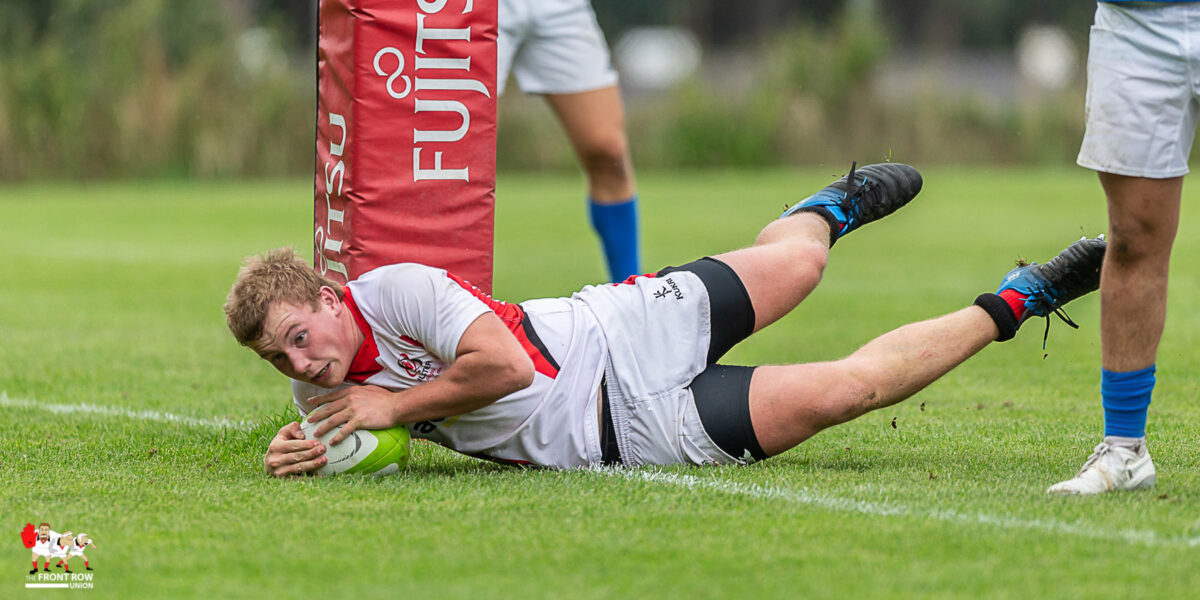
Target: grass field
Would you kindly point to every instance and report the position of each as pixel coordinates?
(128, 412)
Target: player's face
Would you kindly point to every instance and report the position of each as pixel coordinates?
(44, 530)
(313, 346)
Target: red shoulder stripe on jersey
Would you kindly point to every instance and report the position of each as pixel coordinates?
(364, 364)
(513, 317)
(530, 332)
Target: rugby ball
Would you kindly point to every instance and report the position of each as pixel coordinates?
(379, 452)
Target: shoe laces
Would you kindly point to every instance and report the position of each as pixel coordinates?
(856, 193)
(851, 184)
(1041, 296)
(849, 205)
(1101, 450)
(1062, 314)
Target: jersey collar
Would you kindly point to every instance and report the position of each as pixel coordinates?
(364, 364)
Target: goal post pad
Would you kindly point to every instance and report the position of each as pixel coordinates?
(406, 136)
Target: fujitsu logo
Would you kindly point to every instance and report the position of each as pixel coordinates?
(389, 62)
(326, 244)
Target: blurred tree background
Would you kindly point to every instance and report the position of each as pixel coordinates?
(208, 88)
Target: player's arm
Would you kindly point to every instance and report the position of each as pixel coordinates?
(489, 364)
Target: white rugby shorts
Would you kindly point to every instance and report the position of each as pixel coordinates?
(1143, 77)
(658, 335)
(552, 47)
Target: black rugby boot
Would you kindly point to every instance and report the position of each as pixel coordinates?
(862, 196)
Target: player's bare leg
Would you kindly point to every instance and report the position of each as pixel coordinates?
(1143, 217)
(788, 258)
(783, 266)
(789, 404)
(595, 125)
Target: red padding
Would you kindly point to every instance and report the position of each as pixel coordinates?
(406, 136)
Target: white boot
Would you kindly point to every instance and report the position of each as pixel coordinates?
(1111, 468)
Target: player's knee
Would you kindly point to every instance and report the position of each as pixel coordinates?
(1133, 240)
(1135, 244)
(814, 255)
(805, 261)
(606, 157)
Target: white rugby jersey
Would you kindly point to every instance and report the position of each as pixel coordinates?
(43, 546)
(77, 548)
(413, 318)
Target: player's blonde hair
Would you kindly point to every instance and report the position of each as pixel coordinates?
(278, 275)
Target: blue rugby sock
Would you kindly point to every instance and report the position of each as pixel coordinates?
(617, 226)
(1126, 400)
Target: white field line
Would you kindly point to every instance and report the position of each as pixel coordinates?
(866, 507)
(792, 495)
(116, 411)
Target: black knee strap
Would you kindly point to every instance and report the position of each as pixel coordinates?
(1001, 313)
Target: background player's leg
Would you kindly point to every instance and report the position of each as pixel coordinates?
(1143, 216)
(789, 404)
(595, 125)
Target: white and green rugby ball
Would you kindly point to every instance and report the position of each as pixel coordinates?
(378, 451)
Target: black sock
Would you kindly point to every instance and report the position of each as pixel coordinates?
(1000, 312)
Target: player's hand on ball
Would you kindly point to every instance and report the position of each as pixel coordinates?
(357, 407)
(290, 454)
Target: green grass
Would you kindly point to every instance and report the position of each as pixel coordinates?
(112, 295)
